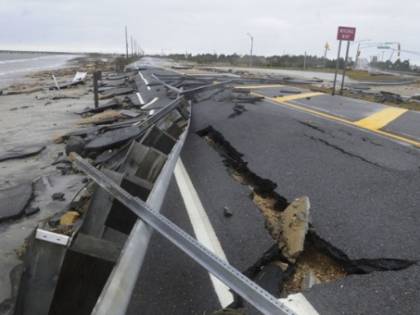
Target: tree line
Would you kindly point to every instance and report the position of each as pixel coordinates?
(287, 61)
(284, 61)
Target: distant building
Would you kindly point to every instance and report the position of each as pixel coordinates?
(362, 64)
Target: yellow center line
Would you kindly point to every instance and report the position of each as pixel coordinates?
(258, 86)
(381, 119)
(297, 96)
(342, 120)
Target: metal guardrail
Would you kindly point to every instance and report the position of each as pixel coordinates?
(116, 294)
(249, 290)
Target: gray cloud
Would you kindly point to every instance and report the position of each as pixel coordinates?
(204, 26)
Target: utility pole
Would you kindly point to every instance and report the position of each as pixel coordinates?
(357, 55)
(304, 61)
(252, 48)
(126, 43)
(132, 48)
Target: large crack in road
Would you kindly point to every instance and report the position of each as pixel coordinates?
(319, 262)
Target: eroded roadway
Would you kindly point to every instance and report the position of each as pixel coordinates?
(364, 192)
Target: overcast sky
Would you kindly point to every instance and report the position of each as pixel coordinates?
(279, 26)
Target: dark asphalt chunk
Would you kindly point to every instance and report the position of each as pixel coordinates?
(407, 125)
(75, 144)
(278, 91)
(21, 152)
(112, 138)
(345, 107)
(379, 293)
(58, 196)
(14, 200)
(111, 104)
(114, 92)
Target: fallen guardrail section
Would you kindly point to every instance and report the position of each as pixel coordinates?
(92, 268)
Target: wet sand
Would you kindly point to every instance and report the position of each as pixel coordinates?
(14, 66)
(31, 119)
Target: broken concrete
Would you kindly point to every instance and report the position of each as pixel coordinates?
(14, 200)
(115, 92)
(21, 152)
(112, 138)
(75, 144)
(106, 117)
(294, 224)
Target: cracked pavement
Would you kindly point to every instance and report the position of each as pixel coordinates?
(363, 189)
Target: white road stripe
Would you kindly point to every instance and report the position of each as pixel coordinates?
(150, 103)
(202, 227)
(206, 235)
(140, 98)
(144, 80)
(299, 304)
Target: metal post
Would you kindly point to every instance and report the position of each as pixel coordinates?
(96, 77)
(126, 43)
(345, 66)
(252, 48)
(357, 55)
(336, 67)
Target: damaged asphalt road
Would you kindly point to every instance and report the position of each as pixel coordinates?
(362, 244)
(297, 203)
(364, 197)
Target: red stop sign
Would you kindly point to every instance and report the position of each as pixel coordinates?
(346, 33)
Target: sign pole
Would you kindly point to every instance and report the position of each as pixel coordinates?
(336, 66)
(348, 34)
(345, 66)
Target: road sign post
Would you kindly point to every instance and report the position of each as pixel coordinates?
(336, 67)
(344, 68)
(348, 34)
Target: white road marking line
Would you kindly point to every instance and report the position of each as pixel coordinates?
(299, 304)
(150, 103)
(144, 80)
(206, 235)
(202, 227)
(140, 98)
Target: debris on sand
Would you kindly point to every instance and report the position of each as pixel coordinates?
(384, 96)
(21, 152)
(79, 78)
(14, 200)
(311, 268)
(108, 116)
(59, 196)
(75, 144)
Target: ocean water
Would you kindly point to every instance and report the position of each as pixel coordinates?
(15, 65)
